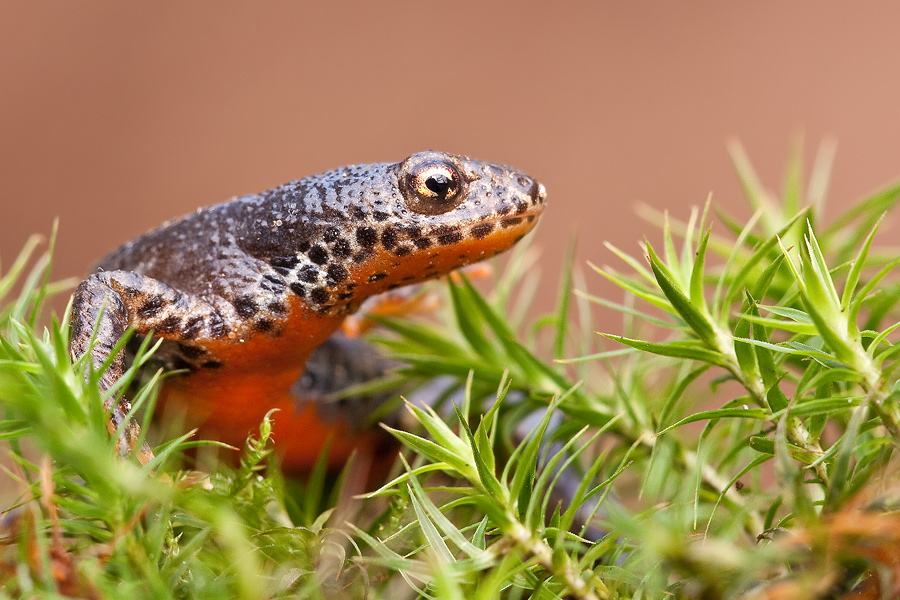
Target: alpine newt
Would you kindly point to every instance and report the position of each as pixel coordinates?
(242, 293)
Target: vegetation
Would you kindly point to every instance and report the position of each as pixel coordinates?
(736, 441)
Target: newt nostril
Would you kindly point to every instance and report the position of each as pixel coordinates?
(538, 193)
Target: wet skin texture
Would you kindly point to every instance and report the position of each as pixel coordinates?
(242, 293)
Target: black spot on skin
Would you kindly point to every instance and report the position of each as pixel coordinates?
(308, 273)
(170, 324)
(504, 209)
(366, 236)
(217, 327)
(191, 328)
(351, 286)
(304, 246)
(376, 277)
(530, 218)
(462, 256)
(510, 222)
(422, 243)
(402, 251)
(413, 231)
(515, 241)
(358, 213)
(361, 256)
(318, 255)
(274, 280)
(263, 325)
(337, 272)
(319, 295)
(521, 207)
(380, 216)
(131, 292)
(345, 296)
(331, 235)
(389, 238)
(180, 364)
(283, 270)
(150, 307)
(450, 238)
(191, 351)
(445, 229)
(298, 289)
(277, 307)
(245, 306)
(341, 248)
(409, 278)
(212, 364)
(481, 231)
(284, 261)
(394, 286)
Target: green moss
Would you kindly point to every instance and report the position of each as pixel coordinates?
(742, 423)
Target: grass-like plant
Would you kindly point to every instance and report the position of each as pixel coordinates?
(733, 440)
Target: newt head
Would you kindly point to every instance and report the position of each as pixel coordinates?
(445, 211)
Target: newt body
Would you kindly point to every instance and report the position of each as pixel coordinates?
(243, 292)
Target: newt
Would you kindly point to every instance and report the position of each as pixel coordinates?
(242, 293)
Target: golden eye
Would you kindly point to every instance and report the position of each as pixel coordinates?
(435, 186)
(440, 183)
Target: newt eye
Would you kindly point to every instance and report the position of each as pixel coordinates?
(440, 185)
(433, 187)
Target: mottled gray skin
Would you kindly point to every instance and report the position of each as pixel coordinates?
(306, 232)
(231, 271)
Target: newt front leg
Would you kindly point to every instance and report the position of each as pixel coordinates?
(106, 305)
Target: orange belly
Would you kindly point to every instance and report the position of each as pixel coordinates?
(228, 403)
(228, 407)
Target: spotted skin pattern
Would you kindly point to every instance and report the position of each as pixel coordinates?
(243, 292)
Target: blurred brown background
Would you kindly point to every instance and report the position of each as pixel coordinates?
(116, 116)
